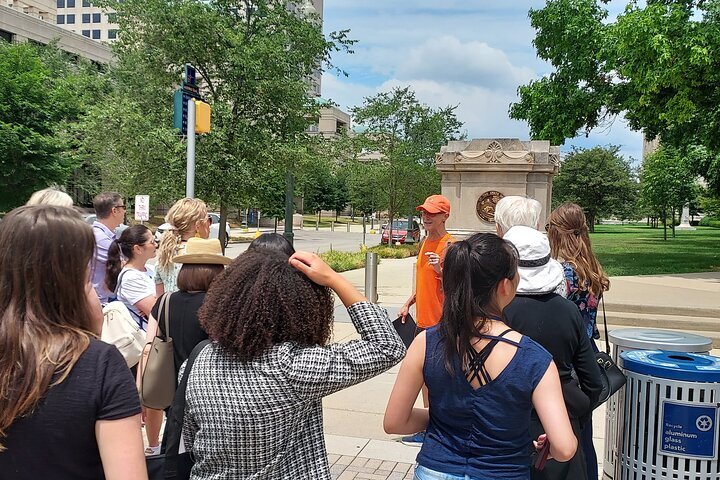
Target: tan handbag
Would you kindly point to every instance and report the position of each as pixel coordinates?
(158, 379)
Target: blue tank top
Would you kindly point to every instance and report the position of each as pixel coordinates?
(482, 433)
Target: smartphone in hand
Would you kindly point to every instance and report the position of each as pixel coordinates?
(542, 455)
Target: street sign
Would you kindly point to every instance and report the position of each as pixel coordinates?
(189, 77)
(180, 100)
(142, 208)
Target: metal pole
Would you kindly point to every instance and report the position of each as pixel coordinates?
(371, 263)
(289, 192)
(364, 242)
(190, 179)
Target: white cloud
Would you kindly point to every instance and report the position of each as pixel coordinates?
(473, 54)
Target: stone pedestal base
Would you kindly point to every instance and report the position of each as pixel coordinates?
(478, 173)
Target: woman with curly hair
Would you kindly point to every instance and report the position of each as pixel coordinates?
(567, 231)
(69, 409)
(189, 218)
(254, 395)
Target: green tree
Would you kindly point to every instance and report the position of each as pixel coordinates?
(657, 64)
(667, 183)
(405, 135)
(254, 59)
(45, 94)
(597, 179)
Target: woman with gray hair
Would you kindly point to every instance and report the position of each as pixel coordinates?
(51, 196)
(516, 210)
(555, 323)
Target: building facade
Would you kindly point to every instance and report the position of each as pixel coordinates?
(86, 19)
(17, 26)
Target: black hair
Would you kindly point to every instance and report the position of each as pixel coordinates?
(273, 241)
(131, 236)
(472, 270)
(260, 300)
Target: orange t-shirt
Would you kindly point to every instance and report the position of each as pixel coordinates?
(428, 290)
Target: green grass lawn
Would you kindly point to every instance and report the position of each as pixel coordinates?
(641, 250)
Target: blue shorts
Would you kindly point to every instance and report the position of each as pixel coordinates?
(422, 473)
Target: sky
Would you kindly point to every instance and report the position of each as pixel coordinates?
(469, 53)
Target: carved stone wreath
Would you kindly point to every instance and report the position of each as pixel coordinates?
(485, 206)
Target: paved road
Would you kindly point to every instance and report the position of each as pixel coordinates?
(318, 241)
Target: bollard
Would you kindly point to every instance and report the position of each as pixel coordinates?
(371, 263)
(348, 227)
(332, 225)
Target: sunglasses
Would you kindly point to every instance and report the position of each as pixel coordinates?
(120, 206)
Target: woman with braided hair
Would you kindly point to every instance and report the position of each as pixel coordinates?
(567, 231)
(189, 218)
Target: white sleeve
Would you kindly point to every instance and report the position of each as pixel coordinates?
(134, 286)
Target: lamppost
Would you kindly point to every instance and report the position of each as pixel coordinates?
(289, 193)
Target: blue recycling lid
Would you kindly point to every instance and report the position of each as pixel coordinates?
(691, 367)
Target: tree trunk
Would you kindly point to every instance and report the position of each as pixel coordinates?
(672, 223)
(223, 221)
(275, 224)
(664, 215)
(591, 222)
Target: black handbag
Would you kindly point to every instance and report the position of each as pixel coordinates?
(170, 464)
(612, 378)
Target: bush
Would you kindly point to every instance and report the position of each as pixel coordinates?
(344, 261)
(710, 222)
(399, 251)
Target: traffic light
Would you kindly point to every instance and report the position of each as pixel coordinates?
(202, 117)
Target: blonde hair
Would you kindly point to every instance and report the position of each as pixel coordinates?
(569, 241)
(51, 196)
(184, 216)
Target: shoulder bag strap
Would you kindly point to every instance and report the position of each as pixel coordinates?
(164, 311)
(607, 340)
(176, 413)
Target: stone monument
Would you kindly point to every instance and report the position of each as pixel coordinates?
(477, 173)
(685, 219)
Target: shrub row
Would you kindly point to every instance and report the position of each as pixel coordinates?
(710, 222)
(344, 261)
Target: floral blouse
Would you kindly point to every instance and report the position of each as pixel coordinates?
(586, 302)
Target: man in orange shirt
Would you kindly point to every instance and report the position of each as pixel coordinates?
(428, 296)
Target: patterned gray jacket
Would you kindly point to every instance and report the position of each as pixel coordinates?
(263, 419)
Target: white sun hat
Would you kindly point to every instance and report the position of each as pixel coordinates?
(539, 273)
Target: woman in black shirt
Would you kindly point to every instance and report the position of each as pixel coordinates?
(201, 263)
(68, 404)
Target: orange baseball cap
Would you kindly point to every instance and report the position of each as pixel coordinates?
(435, 204)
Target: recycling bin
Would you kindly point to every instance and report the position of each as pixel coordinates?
(629, 339)
(669, 416)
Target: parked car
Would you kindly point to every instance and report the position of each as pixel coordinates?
(214, 228)
(91, 217)
(400, 232)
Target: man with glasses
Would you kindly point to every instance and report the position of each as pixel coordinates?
(110, 211)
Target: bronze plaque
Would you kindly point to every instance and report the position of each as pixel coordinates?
(486, 205)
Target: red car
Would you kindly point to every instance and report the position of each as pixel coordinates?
(400, 232)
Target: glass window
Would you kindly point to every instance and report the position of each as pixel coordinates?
(112, 34)
(60, 3)
(70, 18)
(7, 36)
(86, 3)
(71, 3)
(86, 17)
(96, 17)
(96, 34)
(60, 19)
(112, 17)
(86, 33)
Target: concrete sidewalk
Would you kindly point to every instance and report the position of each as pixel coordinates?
(356, 443)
